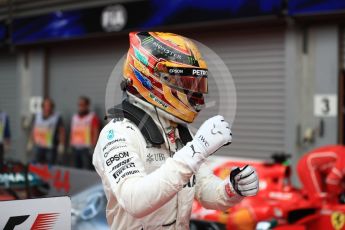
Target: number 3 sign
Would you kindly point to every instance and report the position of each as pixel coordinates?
(325, 105)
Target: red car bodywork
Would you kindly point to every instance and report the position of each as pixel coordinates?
(276, 201)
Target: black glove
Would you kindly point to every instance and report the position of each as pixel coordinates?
(245, 181)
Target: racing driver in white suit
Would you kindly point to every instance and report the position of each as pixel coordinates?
(150, 165)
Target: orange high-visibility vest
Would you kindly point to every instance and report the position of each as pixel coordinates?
(44, 130)
(81, 130)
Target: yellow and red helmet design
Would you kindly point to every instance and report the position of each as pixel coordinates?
(167, 71)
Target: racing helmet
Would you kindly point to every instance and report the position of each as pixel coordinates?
(167, 71)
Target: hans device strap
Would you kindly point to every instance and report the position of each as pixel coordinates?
(145, 123)
(184, 134)
(142, 120)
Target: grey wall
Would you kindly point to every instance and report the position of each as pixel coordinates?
(311, 67)
(293, 68)
(319, 67)
(9, 98)
(30, 65)
(326, 71)
(256, 59)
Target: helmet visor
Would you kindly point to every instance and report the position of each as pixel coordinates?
(190, 79)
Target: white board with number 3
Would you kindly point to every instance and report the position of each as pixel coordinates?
(325, 105)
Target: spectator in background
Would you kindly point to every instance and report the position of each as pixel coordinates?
(5, 135)
(48, 134)
(85, 127)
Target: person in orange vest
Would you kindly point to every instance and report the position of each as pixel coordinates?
(48, 134)
(5, 135)
(322, 172)
(85, 127)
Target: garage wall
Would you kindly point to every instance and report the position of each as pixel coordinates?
(256, 61)
(76, 70)
(9, 98)
(324, 49)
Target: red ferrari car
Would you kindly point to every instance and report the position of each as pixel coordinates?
(278, 205)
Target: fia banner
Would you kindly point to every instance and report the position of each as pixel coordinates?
(46, 213)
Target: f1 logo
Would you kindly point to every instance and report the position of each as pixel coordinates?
(14, 221)
(43, 221)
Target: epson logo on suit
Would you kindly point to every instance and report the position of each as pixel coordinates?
(117, 157)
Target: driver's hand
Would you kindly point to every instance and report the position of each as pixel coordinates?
(245, 181)
(212, 134)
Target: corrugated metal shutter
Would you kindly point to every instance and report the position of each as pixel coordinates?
(9, 99)
(256, 61)
(79, 70)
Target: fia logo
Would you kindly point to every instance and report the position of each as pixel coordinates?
(110, 134)
(114, 18)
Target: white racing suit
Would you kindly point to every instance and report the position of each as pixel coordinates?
(146, 186)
